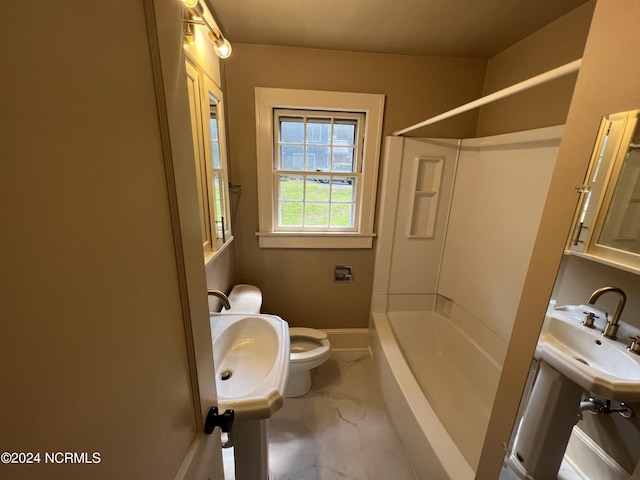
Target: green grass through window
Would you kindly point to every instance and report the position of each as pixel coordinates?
(317, 208)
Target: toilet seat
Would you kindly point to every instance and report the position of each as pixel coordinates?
(310, 348)
(317, 337)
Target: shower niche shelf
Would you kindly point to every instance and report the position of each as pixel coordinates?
(427, 174)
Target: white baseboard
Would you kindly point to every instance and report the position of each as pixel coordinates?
(349, 339)
(590, 461)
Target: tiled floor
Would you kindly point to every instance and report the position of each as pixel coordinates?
(339, 430)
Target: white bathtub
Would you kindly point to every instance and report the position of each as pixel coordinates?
(438, 387)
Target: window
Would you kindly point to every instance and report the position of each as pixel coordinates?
(317, 167)
(317, 170)
(205, 105)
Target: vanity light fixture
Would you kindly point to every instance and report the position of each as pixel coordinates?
(189, 31)
(195, 16)
(221, 45)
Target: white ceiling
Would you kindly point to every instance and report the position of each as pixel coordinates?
(452, 28)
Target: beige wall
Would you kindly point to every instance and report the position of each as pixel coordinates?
(298, 284)
(92, 338)
(607, 83)
(556, 44)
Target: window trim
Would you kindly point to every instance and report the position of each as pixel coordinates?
(268, 99)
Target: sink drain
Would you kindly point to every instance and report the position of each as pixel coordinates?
(226, 375)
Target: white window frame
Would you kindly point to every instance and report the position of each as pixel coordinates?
(372, 105)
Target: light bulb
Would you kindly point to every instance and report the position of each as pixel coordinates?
(194, 6)
(221, 45)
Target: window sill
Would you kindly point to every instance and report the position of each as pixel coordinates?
(213, 255)
(314, 240)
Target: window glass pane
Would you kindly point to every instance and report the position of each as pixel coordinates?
(319, 131)
(215, 141)
(291, 131)
(217, 194)
(214, 124)
(291, 157)
(290, 214)
(290, 187)
(317, 189)
(342, 215)
(343, 189)
(215, 155)
(342, 159)
(317, 159)
(316, 215)
(344, 134)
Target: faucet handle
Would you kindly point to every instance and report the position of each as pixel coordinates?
(610, 329)
(589, 319)
(635, 345)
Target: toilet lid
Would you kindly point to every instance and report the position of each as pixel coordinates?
(307, 332)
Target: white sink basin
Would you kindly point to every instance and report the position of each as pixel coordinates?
(251, 355)
(598, 364)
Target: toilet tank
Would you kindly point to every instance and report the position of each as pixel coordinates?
(244, 299)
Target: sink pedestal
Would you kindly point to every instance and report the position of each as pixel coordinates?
(546, 425)
(251, 451)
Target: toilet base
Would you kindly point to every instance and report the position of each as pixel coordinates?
(299, 384)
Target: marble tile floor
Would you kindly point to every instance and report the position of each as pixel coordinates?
(339, 430)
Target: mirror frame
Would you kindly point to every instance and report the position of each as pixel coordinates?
(215, 237)
(610, 149)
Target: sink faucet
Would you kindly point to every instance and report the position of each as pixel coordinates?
(223, 298)
(611, 329)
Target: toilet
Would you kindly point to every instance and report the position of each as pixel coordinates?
(244, 299)
(310, 348)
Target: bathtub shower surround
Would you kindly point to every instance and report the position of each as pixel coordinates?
(486, 200)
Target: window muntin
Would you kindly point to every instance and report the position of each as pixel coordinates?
(307, 143)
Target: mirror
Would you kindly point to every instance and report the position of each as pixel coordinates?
(607, 224)
(207, 114)
(219, 183)
(621, 228)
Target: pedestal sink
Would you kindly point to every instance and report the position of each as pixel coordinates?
(573, 358)
(251, 355)
(598, 364)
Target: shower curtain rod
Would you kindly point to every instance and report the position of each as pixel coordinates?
(505, 92)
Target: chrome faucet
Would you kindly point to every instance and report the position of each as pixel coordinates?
(611, 329)
(222, 296)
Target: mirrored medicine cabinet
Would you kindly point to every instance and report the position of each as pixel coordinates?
(607, 222)
(207, 124)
